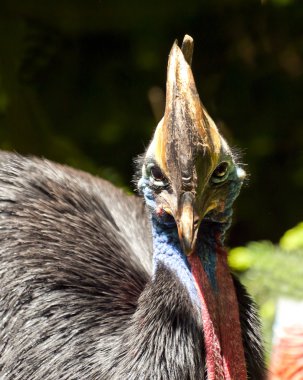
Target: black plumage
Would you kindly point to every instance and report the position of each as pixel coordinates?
(69, 271)
(77, 296)
(71, 280)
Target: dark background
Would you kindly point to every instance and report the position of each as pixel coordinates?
(82, 82)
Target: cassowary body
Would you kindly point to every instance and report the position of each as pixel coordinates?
(96, 286)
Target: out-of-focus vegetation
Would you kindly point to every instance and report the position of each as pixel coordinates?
(83, 82)
(270, 272)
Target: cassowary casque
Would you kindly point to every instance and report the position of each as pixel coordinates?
(96, 284)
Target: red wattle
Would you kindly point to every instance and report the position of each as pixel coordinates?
(225, 358)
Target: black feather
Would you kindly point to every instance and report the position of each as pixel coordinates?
(77, 300)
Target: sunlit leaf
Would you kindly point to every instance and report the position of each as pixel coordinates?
(293, 238)
(240, 259)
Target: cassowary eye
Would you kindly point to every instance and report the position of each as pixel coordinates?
(157, 173)
(220, 173)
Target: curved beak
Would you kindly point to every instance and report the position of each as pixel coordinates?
(188, 223)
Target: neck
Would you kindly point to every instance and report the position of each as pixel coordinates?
(206, 277)
(167, 251)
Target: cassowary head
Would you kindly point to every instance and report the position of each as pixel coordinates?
(189, 173)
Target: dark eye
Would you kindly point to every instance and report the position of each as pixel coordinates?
(156, 173)
(220, 173)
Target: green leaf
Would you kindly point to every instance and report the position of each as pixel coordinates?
(293, 238)
(240, 259)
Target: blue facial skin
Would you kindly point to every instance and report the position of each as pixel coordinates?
(167, 248)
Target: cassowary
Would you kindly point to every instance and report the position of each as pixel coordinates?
(96, 284)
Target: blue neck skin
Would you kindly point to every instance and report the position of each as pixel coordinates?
(167, 251)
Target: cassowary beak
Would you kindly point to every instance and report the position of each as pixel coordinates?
(188, 223)
(186, 145)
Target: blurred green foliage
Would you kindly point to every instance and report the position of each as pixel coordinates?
(270, 272)
(293, 239)
(83, 82)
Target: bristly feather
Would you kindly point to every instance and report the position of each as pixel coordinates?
(137, 163)
(238, 156)
(77, 297)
